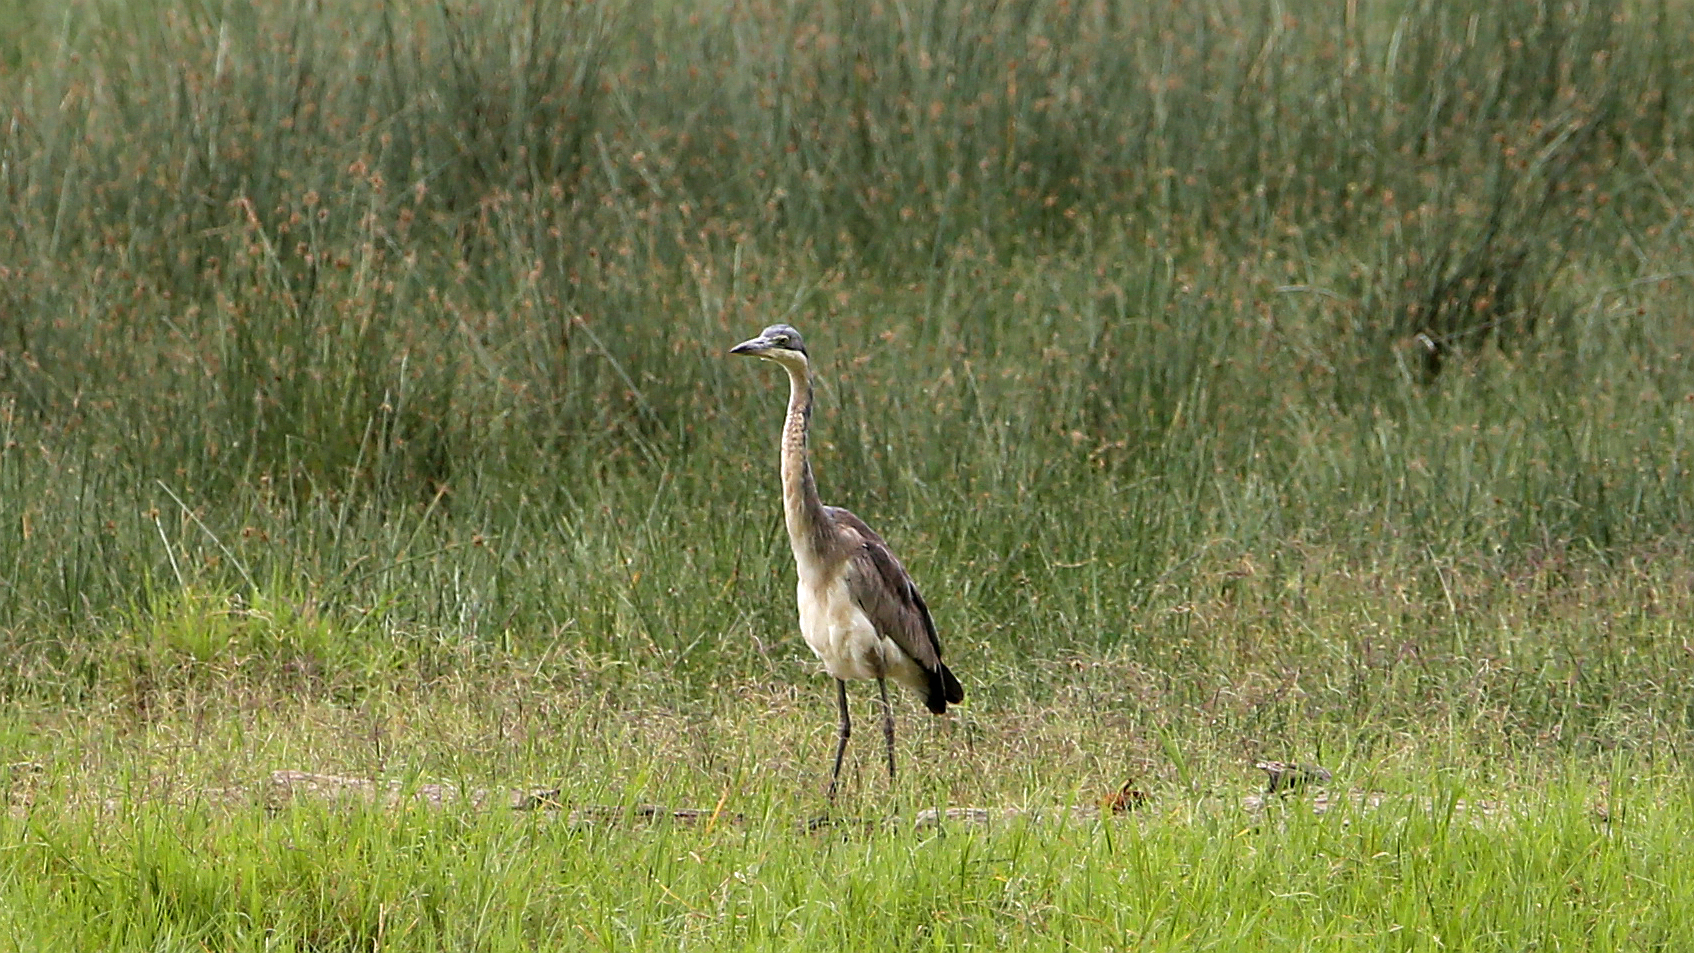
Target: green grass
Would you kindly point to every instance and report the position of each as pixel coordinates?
(159, 836)
(364, 409)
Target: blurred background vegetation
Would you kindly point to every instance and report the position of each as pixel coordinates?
(1322, 361)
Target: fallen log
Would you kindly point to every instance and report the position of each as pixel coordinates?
(286, 787)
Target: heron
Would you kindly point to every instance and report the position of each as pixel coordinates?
(859, 610)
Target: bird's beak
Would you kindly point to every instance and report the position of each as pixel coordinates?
(755, 347)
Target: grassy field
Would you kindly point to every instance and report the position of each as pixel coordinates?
(1238, 381)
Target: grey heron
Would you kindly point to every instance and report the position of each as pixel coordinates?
(859, 610)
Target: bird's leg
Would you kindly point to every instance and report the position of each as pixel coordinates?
(887, 724)
(841, 739)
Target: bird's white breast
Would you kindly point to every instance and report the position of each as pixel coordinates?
(840, 633)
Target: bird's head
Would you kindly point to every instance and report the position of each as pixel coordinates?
(779, 343)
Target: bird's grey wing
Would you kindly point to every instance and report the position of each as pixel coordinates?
(886, 594)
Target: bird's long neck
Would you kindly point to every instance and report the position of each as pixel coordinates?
(801, 508)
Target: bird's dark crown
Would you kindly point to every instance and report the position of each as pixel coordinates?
(784, 336)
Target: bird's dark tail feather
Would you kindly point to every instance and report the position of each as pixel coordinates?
(943, 689)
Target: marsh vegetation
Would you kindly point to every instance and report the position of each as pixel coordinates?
(1238, 380)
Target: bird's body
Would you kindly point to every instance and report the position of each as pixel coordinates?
(859, 610)
(836, 625)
